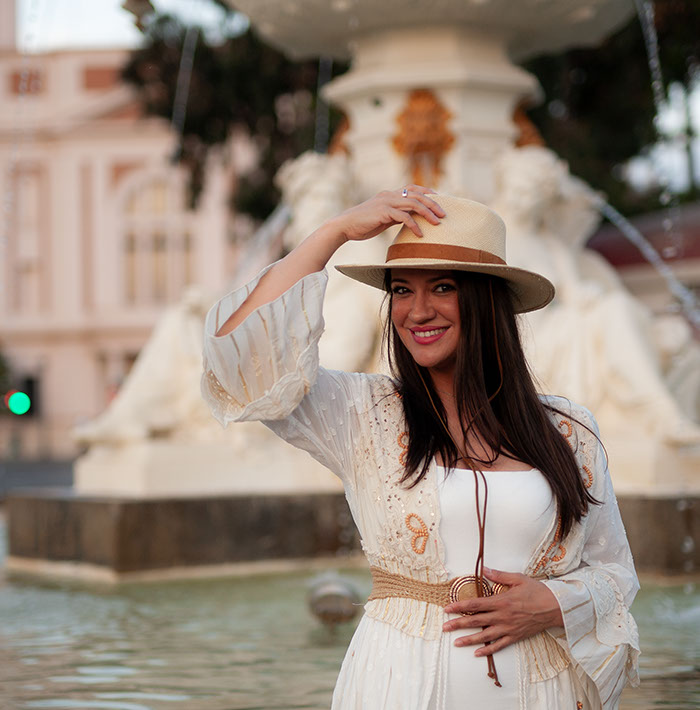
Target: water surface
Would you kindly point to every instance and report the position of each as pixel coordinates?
(244, 644)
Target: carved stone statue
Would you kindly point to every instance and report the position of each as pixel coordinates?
(160, 397)
(595, 343)
(317, 187)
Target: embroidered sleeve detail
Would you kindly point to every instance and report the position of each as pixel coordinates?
(567, 425)
(263, 368)
(584, 462)
(544, 657)
(554, 547)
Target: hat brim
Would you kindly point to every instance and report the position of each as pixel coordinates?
(530, 291)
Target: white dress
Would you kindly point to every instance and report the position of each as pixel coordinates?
(520, 510)
(267, 369)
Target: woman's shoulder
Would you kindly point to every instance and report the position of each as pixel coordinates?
(558, 406)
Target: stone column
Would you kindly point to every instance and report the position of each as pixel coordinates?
(432, 105)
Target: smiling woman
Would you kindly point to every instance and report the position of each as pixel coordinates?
(555, 630)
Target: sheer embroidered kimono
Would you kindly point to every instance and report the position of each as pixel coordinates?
(267, 369)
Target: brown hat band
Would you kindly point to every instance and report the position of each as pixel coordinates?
(441, 251)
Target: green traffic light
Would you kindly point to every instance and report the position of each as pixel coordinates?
(19, 403)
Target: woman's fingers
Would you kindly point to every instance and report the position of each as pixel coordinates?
(487, 635)
(475, 621)
(427, 210)
(495, 646)
(400, 215)
(421, 203)
(387, 208)
(489, 640)
(477, 605)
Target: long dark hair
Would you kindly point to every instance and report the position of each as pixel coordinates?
(489, 361)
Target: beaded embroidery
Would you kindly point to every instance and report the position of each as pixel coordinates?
(569, 431)
(420, 533)
(556, 541)
(403, 443)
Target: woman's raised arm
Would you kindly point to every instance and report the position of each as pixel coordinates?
(363, 221)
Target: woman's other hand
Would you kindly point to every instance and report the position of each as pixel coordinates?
(386, 209)
(526, 608)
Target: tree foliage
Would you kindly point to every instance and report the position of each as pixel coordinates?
(599, 108)
(598, 112)
(241, 83)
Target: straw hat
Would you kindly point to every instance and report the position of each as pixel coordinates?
(471, 237)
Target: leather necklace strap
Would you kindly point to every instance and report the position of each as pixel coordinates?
(480, 518)
(479, 477)
(448, 252)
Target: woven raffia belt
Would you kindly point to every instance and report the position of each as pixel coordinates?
(385, 584)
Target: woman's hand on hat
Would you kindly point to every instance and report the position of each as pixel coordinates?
(526, 608)
(386, 209)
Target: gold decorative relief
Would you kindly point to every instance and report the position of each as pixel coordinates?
(423, 136)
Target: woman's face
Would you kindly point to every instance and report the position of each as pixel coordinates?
(425, 313)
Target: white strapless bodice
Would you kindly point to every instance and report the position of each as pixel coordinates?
(519, 513)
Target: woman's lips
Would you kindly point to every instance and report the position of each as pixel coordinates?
(428, 335)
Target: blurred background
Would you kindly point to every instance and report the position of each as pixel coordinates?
(156, 154)
(119, 192)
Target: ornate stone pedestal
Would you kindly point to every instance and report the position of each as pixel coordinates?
(153, 468)
(647, 467)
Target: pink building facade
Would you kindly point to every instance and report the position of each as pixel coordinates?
(96, 237)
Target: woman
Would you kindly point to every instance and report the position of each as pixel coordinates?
(459, 433)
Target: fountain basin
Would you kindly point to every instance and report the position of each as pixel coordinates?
(58, 533)
(307, 28)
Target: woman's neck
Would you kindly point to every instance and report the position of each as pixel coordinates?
(444, 384)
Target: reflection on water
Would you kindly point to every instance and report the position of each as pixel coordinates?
(243, 644)
(239, 643)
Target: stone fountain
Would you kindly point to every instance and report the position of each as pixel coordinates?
(430, 98)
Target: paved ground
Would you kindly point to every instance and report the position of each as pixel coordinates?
(28, 474)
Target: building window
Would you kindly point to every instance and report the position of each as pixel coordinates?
(130, 267)
(188, 258)
(158, 243)
(160, 276)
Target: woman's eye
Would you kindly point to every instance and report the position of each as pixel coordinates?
(444, 288)
(399, 290)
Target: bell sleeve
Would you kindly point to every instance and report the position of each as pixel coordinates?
(599, 633)
(267, 369)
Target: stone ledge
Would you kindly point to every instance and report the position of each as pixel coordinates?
(664, 533)
(123, 536)
(58, 533)
(81, 572)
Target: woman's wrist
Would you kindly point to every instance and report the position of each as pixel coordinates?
(554, 615)
(333, 232)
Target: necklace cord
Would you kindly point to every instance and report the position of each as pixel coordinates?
(480, 516)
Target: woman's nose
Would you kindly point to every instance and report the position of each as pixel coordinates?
(422, 308)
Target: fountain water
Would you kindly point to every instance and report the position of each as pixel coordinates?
(687, 299)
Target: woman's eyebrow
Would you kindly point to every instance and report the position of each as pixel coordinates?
(442, 278)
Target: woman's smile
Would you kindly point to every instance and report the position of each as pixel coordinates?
(427, 335)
